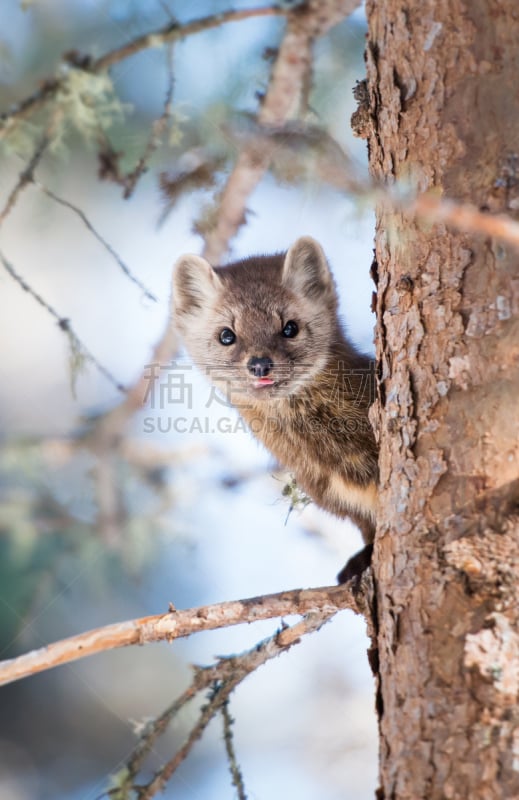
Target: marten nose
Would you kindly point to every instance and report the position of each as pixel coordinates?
(259, 367)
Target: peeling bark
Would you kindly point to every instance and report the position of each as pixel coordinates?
(444, 108)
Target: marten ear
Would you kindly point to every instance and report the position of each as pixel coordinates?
(195, 284)
(306, 270)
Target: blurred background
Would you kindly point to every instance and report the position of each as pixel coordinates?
(187, 508)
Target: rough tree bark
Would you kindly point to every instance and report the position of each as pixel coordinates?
(443, 78)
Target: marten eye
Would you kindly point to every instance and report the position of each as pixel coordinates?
(290, 330)
(227, 336)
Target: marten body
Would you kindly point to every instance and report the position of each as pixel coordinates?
(267, 332)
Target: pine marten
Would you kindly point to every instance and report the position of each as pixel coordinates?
(266, 329)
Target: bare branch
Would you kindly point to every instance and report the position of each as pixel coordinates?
(463, 217)
(333, 166)
(282, 102)
(466, 217)
(174, 31)
(158, 38)
(177, 624)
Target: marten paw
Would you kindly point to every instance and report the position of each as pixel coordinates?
(356, 565)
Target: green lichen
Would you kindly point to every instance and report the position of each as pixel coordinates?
(86, 102)
(298, 499)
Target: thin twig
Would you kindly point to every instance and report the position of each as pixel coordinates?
(25, 178)
(158, 128)
(108, 247)
(163, 775)
(237, 777)
(155, 728)
(174, 625)
(63, 323)
(168, 12)
(27, 175)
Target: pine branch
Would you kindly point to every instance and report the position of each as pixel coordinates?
(177, 624)
(223, 677)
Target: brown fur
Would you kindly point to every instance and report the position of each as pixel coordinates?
(314, 418)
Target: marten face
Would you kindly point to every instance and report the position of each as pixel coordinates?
(260, 328)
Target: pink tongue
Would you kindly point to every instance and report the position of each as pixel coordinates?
(265, 381)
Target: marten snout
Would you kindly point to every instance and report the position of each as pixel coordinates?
(260, 367)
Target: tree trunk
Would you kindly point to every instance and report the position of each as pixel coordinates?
(443, 80)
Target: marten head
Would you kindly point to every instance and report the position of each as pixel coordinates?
(260, 328)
